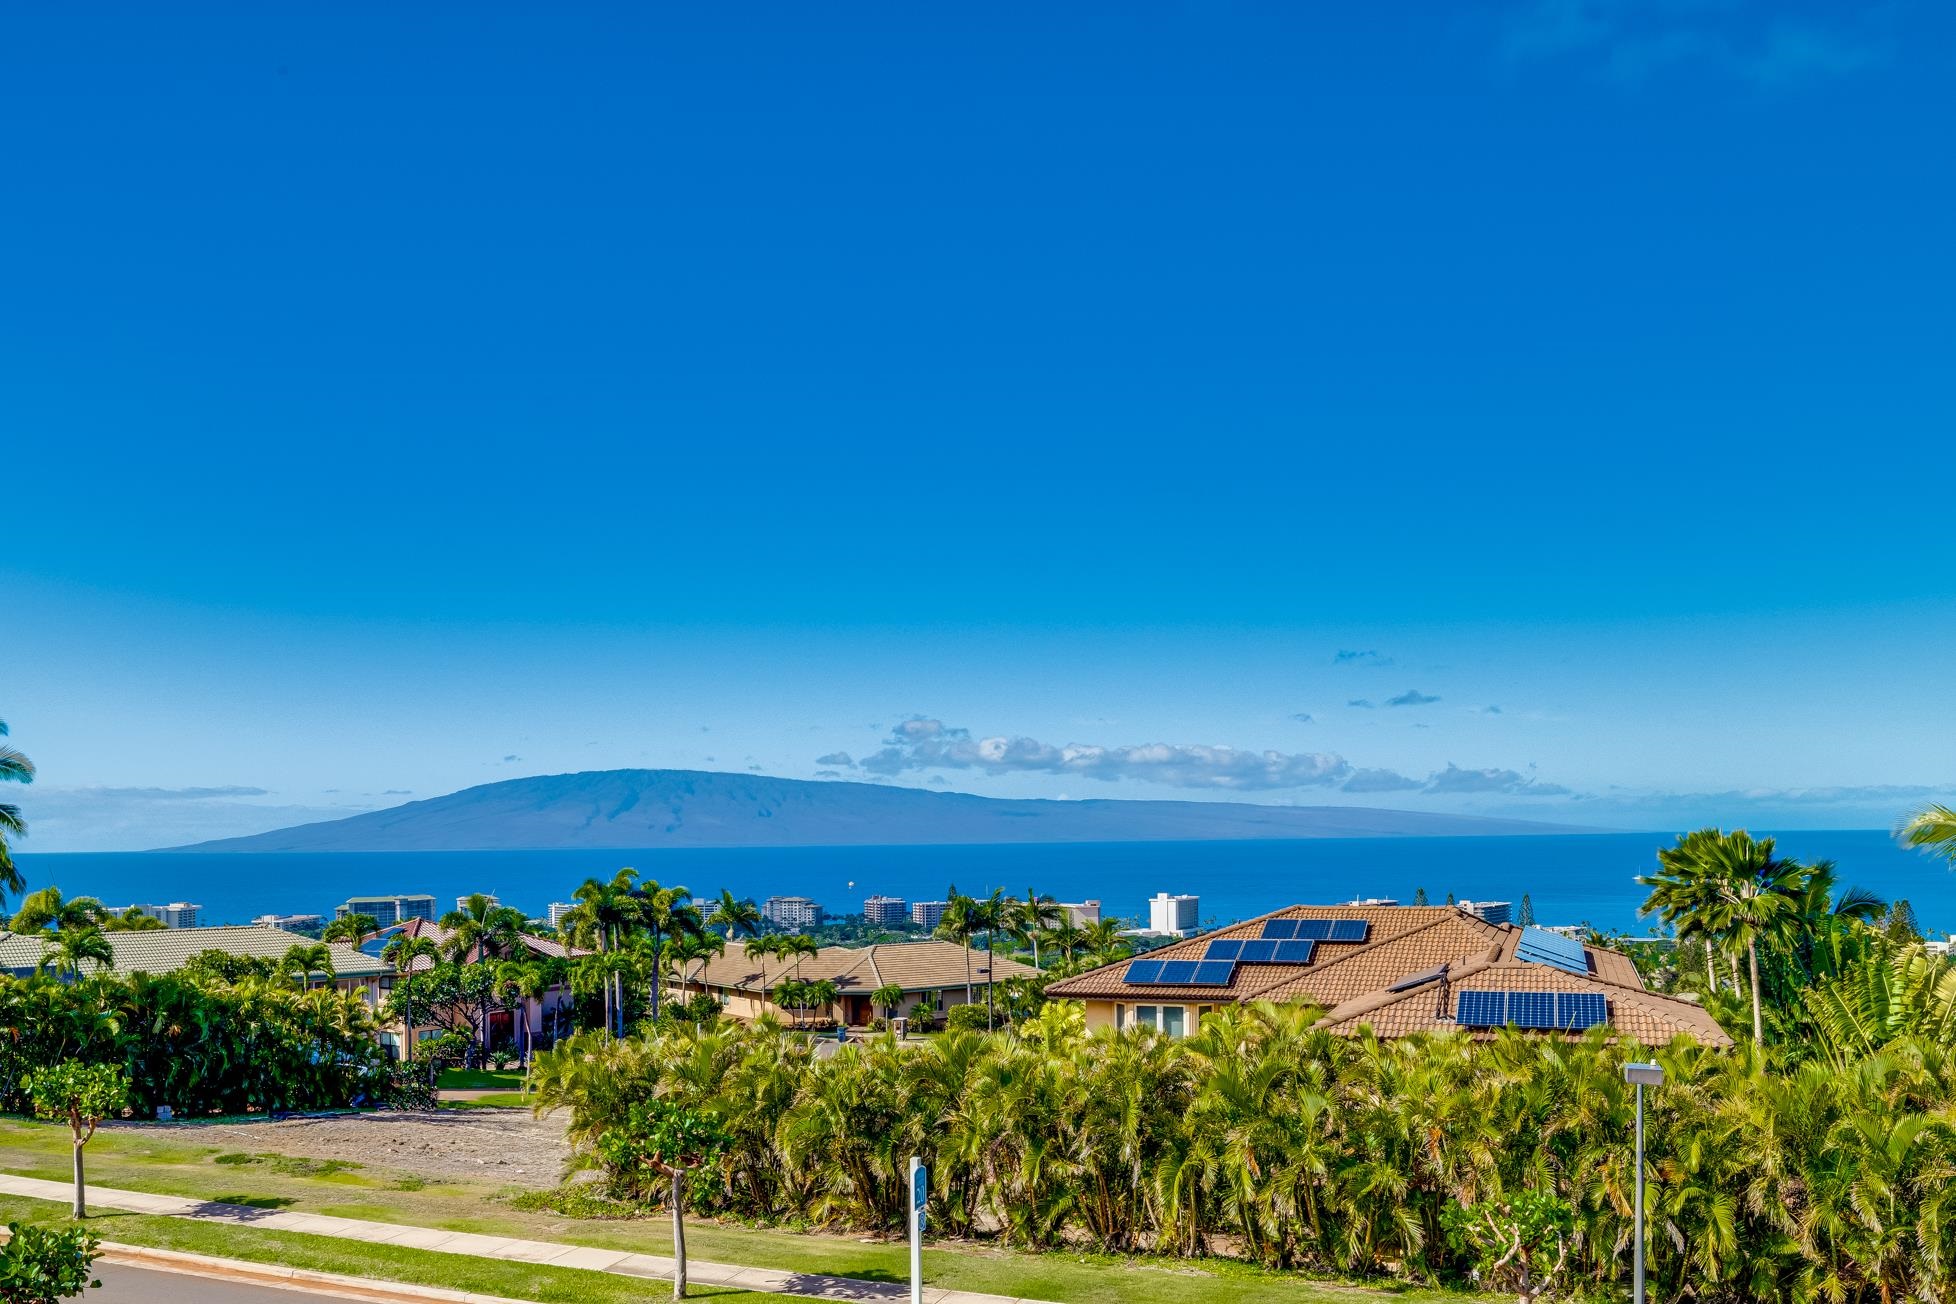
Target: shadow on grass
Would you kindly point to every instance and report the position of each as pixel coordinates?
(241, 1206)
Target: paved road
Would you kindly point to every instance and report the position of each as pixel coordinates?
(126, 1285)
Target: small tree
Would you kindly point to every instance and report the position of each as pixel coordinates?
(889, 998)
(1519, 1245)
(84, 1095)
(40, 1265)
(664, 1139)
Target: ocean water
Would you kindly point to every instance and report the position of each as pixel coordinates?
(1571, 879)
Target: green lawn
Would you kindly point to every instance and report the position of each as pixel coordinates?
(174, 1162)
(494, 1100)
(480, 1080)
(358, 1259)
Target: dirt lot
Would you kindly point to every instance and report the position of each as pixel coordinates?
(496, 1146)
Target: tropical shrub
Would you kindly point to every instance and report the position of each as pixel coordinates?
(1769, 1179)
(40, 1265)
(966, 1018)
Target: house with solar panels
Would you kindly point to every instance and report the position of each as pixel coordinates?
(1396, 970)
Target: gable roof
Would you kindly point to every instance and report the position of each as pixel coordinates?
(913, 966)
(1426, 952)
(165, 950)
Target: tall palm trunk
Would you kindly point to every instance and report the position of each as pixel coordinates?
(1752, 956)
(988, 982)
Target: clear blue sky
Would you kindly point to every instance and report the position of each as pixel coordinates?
(396, 400)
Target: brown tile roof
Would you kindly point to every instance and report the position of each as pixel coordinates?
(164, 950)
(913, 966)
(439, 936)
(1353, 980)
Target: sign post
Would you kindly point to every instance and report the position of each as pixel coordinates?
(919, 1193)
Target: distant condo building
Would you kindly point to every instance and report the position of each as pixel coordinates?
(1081, 913)
(389, 910)
(178, 914)
(462, 902)
(1374, 901)
(556, 912)
(1495, 912)
(1174, 914)
(792, 912)
(928, 914)
(886, 910)
(290, 923)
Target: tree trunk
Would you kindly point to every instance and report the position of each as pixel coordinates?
(407, 1037)
(81, 1206)
(678, 1234)
(1752, 957)
(1711, 974)
(989, 965)
(658, 972)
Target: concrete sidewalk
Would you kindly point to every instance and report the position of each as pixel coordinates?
(550, 1253)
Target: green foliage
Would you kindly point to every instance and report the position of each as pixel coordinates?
(578, 1200)
(1518, 1244)
(79, 1094)
(198, 1044)
(656, 1140)
(966, 1018)
(1769, 1178)
(39, 1265)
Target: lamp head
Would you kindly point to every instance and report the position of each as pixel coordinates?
(1644, 1075)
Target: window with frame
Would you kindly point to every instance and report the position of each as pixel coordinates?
(1144, 1016)
(1174, 1020)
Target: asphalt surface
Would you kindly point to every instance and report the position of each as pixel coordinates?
(126, 1285)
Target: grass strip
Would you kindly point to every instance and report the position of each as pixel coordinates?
(523, 1281)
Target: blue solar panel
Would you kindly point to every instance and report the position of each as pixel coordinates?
(1539, 946)
(1259, 950)
(1314, 930)
(1349, 930)
(1294, 952)
(1227, 949)
(1282, 928)
(1576, 1011)
(1143, 971)
(1474, 1009)
(1213, 973)
(1532, 1009)
(1176, 971)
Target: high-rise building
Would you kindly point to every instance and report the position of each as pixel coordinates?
(792, 912)
(290, 923)
(1081, 913)
(388, 910)
(1173, 914)
(886, 910)
(462, 902)
(554, 916)
(178, 914)
(928, 914)
(1495, 912)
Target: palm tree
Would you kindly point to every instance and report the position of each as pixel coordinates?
(1030, 918)
(484, 932)
(989, 916)
(303, 961)
(697, 948)
(401, 952)
(132, 920)
(1754, 894)
(1931, 829)
(956, 926)
(890, 997)
(353, 929)
(1103, 941)
(734, 918)
(1684, 893)
(1064, 937)
(47, 908)
(72, 946)
(606, 912)
(665, 911)
(523, 981)
(14, 768)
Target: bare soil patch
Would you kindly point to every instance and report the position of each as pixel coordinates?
(486, 1145)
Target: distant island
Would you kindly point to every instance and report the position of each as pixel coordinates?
(701, 808)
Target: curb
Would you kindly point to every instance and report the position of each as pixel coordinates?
(295, 1279)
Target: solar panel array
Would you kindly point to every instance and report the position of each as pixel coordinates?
(1317, 930)
(1553, 1011)
(1284, 941)
(1540, 946)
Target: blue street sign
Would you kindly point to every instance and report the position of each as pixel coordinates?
(919, 1192)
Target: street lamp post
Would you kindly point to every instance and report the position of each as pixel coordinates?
(1641, 1076)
